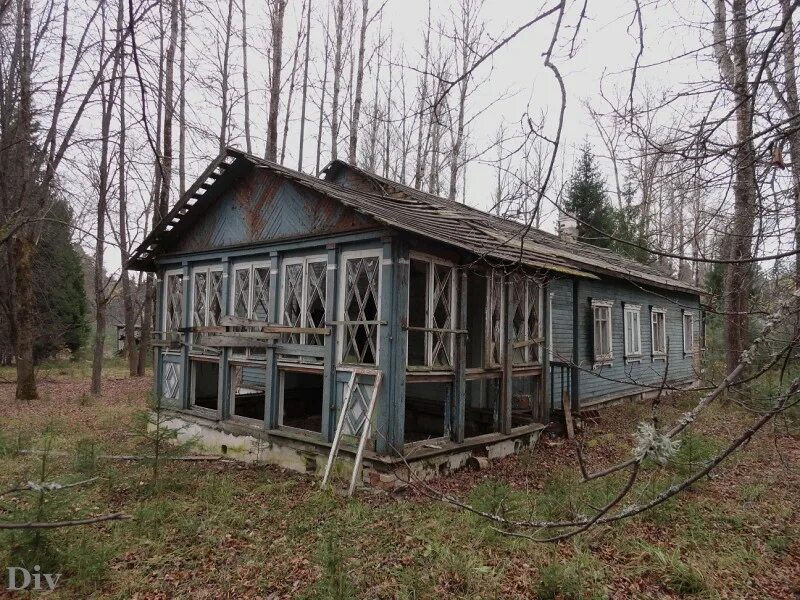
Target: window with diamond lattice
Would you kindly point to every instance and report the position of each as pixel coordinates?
(431, 306)
(251, 297)
(173, 302)
(360, 310)
(525, 319)
(494, 320)
(304, 297)
(206, 298)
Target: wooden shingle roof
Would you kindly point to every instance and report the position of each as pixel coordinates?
(402, 207)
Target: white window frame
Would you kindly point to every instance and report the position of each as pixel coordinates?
(207, 270)
(340, 334)
(658, 354)
(690, 316)
(602, 359)
(629, 311)
(165, 292)
(432, 261)
(299, 260)
(250, 266)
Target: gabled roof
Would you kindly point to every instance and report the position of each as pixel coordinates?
(401, 207)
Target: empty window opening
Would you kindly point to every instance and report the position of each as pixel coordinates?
(527, 406)
(248, 391)
(417, 312)
(425, 409)
(301, 400)
(494, 320)
(476, 318)
(173, 305)
(205, 384)
(481, 402)
(525, 319)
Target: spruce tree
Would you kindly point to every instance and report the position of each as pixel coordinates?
(588, 203)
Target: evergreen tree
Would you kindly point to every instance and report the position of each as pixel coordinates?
(588, 203)
(629, 226)
(60, 297)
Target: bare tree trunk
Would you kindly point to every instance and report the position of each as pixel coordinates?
(226, 51)
(246, 81)
(362, 38)
(127, 298)
(338, 18)
(305, 90)
(23, 246)
(169, 112)
(793, 136)
(734, 69)
(419, 171)
(292, 75)
(182, 106)
(464, 40)
(322, 96)
(277, 10)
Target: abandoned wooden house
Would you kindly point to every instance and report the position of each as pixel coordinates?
(299, 316)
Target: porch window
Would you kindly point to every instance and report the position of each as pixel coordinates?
(525, 323)
(603, 347)
(251, 296)
(633, 331)
(303, 299)
(431, 309)
(173, 302)
(360, 308)
(688, 333)
(206, 297)
(494, 320)
(658, 321)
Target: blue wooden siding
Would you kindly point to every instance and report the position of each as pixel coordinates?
(263, 207)
(621, 377)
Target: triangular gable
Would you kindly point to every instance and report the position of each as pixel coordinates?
(261, 206)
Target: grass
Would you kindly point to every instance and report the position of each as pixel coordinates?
(210, 530)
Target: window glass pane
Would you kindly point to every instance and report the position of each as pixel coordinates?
(496, 319)
(199, 299)
(532, 351)
(518, 328)
(315, 300)
(241, 293)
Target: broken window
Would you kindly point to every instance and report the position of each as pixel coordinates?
(360, 308)
(494, 320)
(425, 410)
(304, 281)
(431, 306)
(525, 319)
(173, 303)
(248, 391)
(476, 318)
(204, 384)
(251, 298)
(301, 400)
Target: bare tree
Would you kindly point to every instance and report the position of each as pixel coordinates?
(277, 10)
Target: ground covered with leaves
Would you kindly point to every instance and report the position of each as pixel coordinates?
(225, 530)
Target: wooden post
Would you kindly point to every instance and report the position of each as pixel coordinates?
(329, 399)
(508, 361)
(386, 344)
(187, 337)
(395, 384)
(544, 353)
(376, 385)
(271, 383)
(224, 377)
(460, 367)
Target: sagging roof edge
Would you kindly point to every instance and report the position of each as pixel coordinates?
(209, 182)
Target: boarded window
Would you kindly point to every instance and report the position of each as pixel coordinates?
(361, 311)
